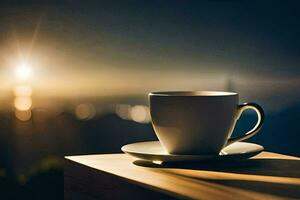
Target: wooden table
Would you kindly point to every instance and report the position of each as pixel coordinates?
(119, 176)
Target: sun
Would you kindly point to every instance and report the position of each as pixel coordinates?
(23, 71)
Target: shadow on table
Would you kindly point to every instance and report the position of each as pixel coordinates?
(281, 174)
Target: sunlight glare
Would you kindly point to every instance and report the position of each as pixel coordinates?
(23, 71)
(157, 162)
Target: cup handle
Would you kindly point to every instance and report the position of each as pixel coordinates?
(260, 115)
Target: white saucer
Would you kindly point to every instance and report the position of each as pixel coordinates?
(153, 151)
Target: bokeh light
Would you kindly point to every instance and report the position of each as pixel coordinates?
(85, 111)
(22, 90)
(123, 111)
(23, 103)
(140, 113)
(23, 115)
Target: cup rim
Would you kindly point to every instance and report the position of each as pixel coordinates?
(193, 93)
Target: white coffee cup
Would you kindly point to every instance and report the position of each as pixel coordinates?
(198, 122)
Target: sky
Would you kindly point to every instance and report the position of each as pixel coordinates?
(132, 47)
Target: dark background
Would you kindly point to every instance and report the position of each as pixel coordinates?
(105, 54)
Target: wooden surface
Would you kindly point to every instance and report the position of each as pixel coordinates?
(265, 176)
